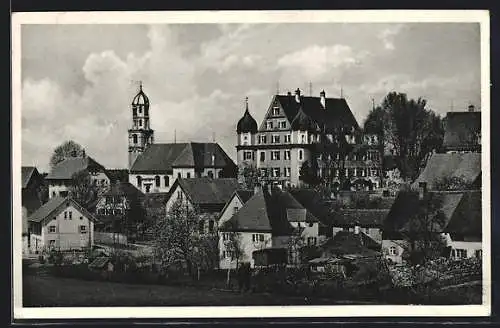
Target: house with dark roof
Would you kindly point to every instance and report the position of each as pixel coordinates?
(32, 197)
(465, 167)
(270, 218)
(237, 200)
(291, 134)
(157, 168)
(368, 221)
(206, 195)
(60, 178)
(61, 224)
(456, 216)
(462, 131)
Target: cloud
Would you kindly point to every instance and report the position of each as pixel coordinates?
(315, 61)
(388, 34)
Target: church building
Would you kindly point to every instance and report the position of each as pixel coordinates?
(154, 167)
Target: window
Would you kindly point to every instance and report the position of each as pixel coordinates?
(301, 154)
(303, 138)
(70, 215)
(223, 254)
(201, 226)
(276, 111)
(140, 109)
(179, 195)
(140, 122)
(157, 181)
(262, 139)
(53, 194)
(283, 124)
(478, 253)
(276, 172)
(262, 156)
(188, 175)
(225, 236)
(461, 253)
(288, 138)
(211, 226)
(286, 155)
(148, 187)
(275, 155)
(166, 180)
(269, 125)
(179, 175)
(311, 241)
(210, 174)
(52, 229)
(81, 217)
(220, 174)
(235, 209)
(83, 229)
(275, 138)
(139, 181)
(65, 214)
(52, 243)
(287, 172)
(393, 251)
(374, 173)
(263, 172)
(350, 172)
(134, 137)
(247, 155)
(257, 237)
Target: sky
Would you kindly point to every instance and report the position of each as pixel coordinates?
(78, 80)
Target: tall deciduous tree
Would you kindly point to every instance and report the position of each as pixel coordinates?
(249, 176)
(407, 127)
(84, 190)
(65, 150)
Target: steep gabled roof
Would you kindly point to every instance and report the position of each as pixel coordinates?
(346, 243)
(336, 114)
(69, 166)
(450, 165)
(244, 195)
(314, 203)
(164, 157)
(362, 217)
(269, 212)
(462, 130)
(54, 205)
(124, 189)
(26, 173)
(466, 220)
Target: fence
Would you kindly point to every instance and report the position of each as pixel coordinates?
(109, 238)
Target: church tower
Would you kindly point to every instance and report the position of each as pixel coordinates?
(140, 135)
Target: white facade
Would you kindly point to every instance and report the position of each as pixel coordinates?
(61, 188)
(231, 208)
(151, 183)
(393, 250)
(248, 241)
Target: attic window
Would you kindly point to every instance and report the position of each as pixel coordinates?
(276, 111)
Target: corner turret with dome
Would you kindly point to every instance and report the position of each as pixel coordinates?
(140, 135)
(247, 123)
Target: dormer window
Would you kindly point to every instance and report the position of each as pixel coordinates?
(276, 111)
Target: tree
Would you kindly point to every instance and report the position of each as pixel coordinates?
(249, 176)
(295, 244)
(308, 173)
(423, 231)
(375, 124)
(233, 245)
(84, 191)
(454, 183)
(65, 150)
(177, 238)
(408, 128)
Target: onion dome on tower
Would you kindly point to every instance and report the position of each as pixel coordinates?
(303, 122)
(140, 98)
(247, 123)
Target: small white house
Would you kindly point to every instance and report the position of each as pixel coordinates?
(61, 224)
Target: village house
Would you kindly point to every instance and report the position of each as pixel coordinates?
(269, 219)
(456, 218)
(290, 135)
(60, 178)
(154, 167)
(61, 224)
(369, 221)
(237, 200)
(32, 197)
(208, 196)
(462, 131)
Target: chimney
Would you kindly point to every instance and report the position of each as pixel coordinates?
(297, 95)
(472, 108)
(322, 96)
(422, 190)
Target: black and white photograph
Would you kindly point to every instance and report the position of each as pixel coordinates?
(234, 164)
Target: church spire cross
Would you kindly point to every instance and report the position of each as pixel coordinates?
(246, 103)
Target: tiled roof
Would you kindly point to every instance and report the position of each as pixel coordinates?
(346, 243)
(26, 173)
(467, 218)
(53, 205)
(361, 217)
(439, 166)
(124, 189)
(269, 212)
(336, 114)
(244, 195)
(314, 203)
(457, 208)
(164, 157)
(247, 123)
(461, 131)
(68, 167)
(207, 192)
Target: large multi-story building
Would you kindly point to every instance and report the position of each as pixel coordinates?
(291, 134)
